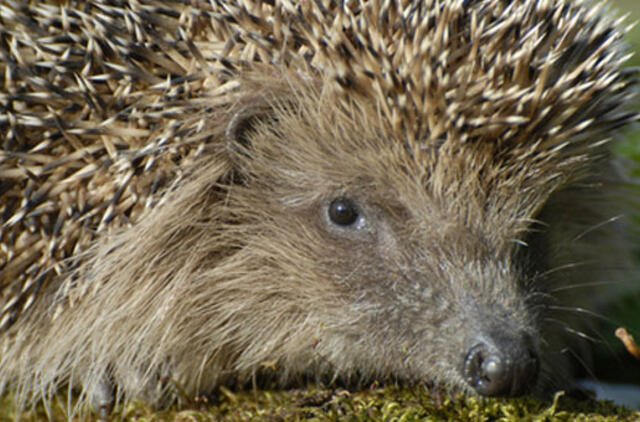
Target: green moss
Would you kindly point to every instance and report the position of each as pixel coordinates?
(388, 404)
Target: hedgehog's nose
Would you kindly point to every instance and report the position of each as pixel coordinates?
(501, 365)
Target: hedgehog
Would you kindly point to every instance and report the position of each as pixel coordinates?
(215, 193)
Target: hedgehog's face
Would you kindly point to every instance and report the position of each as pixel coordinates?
(414, 286)
(426, 300)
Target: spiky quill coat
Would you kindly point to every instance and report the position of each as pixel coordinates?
(163, 164)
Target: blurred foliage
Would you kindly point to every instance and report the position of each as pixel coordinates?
(630, 147)
(626, 310)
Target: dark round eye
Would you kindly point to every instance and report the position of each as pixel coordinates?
(343, 212)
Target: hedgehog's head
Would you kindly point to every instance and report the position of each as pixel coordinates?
(405, 203)
(410, 256)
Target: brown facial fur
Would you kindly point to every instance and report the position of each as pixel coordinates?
(474, 195)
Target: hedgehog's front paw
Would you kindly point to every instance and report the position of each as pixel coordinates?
(101, 396)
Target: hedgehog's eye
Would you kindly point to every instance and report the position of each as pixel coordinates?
(343, 212)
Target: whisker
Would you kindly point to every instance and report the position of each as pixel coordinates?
(584, 365)
(546, 295)
(558, 268)
(579, 310)
(590, 284)
(575, 332)
(597, 226)
(583, 335)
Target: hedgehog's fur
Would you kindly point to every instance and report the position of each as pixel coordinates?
(166, 165)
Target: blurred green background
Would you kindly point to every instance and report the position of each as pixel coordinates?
(626, 310)
(633, 8)
(631, 147)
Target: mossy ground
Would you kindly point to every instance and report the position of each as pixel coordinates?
(373, 404)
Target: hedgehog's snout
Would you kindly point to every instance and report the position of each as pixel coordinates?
(502, 364)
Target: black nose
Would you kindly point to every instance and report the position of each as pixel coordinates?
(501, 365)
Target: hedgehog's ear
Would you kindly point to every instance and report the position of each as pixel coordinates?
(243, 122)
